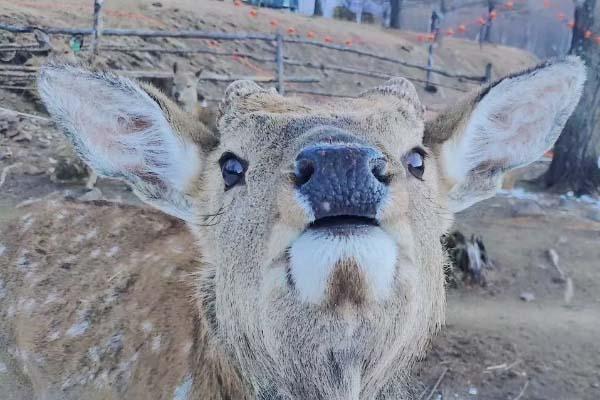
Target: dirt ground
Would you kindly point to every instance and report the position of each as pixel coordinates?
(495, 345)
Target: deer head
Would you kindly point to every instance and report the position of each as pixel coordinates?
(319, 225)
(185, 89)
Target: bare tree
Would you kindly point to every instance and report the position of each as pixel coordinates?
(576, 164)
(395, 13)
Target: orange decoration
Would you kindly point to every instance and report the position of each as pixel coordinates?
(253, 13)
(311, 35)
(547, 4)
(431, 37)
(274, 23)
(291, 31)
(348, 42)
(510, 5)
(588, 34)
(237, 3)
(328, 39)
(571, 24)
(481, 21)
(597, 39)
(450, 32)
(421, 38)
(561, 16)
(493, 14)
(462, 28)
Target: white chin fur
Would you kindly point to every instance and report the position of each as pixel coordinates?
(315, 253)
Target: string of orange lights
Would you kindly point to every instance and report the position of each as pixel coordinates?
(461, 29)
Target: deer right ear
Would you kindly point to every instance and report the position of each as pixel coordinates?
(125, 132)
(509, 124)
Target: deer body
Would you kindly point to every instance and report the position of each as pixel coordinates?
(320, 267)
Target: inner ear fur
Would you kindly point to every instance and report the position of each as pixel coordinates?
(506, 125)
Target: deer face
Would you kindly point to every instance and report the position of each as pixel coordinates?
(319, 225)
(185, 88)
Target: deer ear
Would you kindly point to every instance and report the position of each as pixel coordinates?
(125, 132)
(509, 124)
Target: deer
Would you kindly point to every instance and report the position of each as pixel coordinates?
(187, 95)
(319, 271)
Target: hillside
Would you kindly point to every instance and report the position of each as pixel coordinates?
(453, 55)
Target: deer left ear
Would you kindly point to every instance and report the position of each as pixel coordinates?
(128, 132)
(509, 124)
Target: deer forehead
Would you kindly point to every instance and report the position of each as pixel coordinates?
(268, 120)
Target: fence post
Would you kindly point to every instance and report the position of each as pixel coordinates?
(486, 29)
(435, 31)
(97, 28)
(279, 61)
(488, 73)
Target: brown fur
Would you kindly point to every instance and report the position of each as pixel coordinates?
(250, 336)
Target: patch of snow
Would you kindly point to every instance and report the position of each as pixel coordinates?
(147, 326)
(78, 328)
(156, 343)
(519, 193)
(91, 234)
(182, 392)
(113, 250)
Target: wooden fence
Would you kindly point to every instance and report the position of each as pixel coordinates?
(280, 61)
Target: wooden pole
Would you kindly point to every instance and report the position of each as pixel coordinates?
(279, 60)
(488, 73)
(486, 29)
(97, 28)
(435, 30)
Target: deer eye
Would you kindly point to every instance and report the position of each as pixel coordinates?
(233, 170)
(415, 160)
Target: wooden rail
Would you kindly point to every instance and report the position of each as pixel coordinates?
(97, 32)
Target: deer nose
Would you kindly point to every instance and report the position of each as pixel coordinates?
(341, 179)
(176, 95)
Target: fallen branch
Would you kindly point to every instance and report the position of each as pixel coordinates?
(5, 172)
(9, 87)
(32, 48)
(554, 260)
(437, 383)
(25, 114)
(18, 68)
(522, 392)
